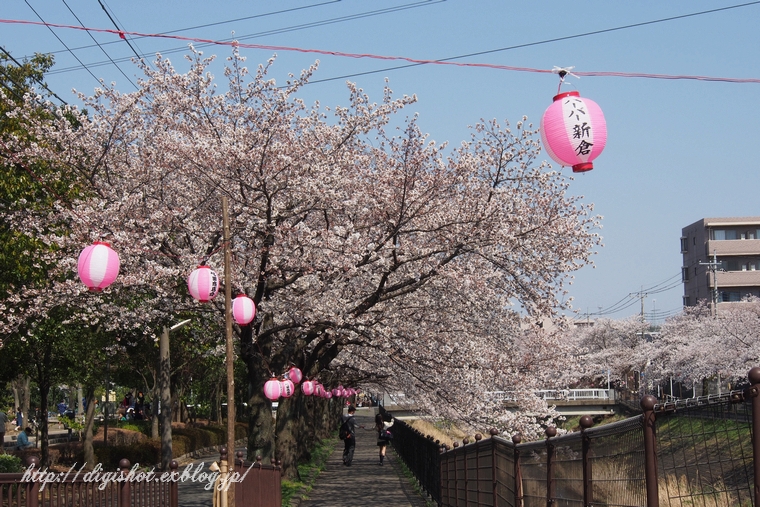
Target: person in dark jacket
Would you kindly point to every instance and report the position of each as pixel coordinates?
(350, 441)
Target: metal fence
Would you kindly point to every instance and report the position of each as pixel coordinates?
(59, 489)
(697, 452)
(256, 485)
(260, 485)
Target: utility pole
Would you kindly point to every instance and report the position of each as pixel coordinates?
(713, 266)
(641, 295)
(230, 352)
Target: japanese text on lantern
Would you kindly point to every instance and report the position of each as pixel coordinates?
(582, 129)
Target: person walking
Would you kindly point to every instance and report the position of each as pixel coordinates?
(348, 434)
(19, 419)
(383, 435)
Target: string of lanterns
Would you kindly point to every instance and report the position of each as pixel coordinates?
(98, 267)
(284, 387)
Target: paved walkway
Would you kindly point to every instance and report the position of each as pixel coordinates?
(365, 482)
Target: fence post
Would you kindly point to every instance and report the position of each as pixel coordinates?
(650, 454)
(493, 432)
(465, 441)
(550, 431)
(125, 499)
(754, 392)
(516, 439)
(174, 484)
(33, 487)
(588, 493)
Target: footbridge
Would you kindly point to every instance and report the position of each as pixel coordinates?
(568, 401)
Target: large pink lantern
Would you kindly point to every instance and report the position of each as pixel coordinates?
(272, 389)
(307, 387)
(98, 266)
(573, 131)
(243, 309)
(295, 374)
(287, 389)
(203, 284)
(319, 390)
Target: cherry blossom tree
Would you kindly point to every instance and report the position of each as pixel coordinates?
(614, 347)
(697, 344)
(373, 254)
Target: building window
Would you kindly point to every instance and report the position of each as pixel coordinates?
(686, 301)
(730, 297)
(684, 245)
(731, 265)
(684, 274)
(723, 234)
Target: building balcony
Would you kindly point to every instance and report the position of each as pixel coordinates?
(733, 247)
(727, 279)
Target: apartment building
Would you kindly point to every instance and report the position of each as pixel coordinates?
(722, 253)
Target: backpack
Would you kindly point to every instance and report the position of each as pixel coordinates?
(343, 431)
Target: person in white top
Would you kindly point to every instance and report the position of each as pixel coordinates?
(383, 435)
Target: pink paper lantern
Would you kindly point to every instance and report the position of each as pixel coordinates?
(336, 392)
(287, 388)
(243, 309)
(98, 266)
(203, 284)
(272, 389)
(328, 395)
(573, 131)
(295, 374)
(319, 390)
(307, 387)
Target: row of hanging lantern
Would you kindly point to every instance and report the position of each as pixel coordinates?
(276, 388)
(98, 267)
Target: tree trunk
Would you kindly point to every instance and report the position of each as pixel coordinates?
(26, 398)
(154, 433)
(44, 440)
(164, 374)
(288, 435)
(261, 423)
(89, 449)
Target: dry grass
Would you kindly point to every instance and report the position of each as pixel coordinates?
(679, 492)
(446, 435)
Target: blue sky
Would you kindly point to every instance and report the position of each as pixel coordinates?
(677, 150)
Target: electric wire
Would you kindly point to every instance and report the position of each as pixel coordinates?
(206, 25)
(546, 41)
(119, 29)
(39, 81)
(237, 43)
(101, 47)
(231, 40)
(633, 297)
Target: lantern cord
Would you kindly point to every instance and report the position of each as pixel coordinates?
(563, 71)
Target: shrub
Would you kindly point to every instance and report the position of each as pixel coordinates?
(10, 464)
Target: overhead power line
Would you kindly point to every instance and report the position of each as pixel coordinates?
(101, 47)
(38, 81)
(446, 61)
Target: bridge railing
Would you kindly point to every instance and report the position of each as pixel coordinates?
(557, 394)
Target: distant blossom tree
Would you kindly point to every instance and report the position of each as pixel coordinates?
(697, 344)
(373, 254)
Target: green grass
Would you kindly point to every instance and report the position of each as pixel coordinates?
(308, 472)
(413, 481)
